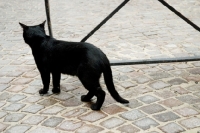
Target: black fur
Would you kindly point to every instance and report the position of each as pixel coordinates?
(83, 60)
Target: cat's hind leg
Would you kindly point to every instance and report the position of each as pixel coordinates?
(87, 97)
(94, 88)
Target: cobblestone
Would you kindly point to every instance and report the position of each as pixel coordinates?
(168, 116)
(112, 123)
(172, 128)
(163, 97)
(152, 108)
(146, 123)
(53, 121)
(18, 128)
(15, 117)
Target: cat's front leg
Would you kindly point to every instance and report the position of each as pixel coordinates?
(45, 80)
(56, 82)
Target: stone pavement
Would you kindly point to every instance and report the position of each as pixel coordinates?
(164, 98)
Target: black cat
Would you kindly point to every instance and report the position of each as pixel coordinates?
(83, 60)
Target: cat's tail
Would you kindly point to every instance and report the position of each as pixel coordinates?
(110, 85)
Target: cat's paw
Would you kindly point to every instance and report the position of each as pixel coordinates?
(85, 99)
(42, 92)
(95, 107)
(56, 91)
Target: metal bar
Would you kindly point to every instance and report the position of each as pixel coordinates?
(154, 61)
(105, 20)
(180, 15)
(48, 17)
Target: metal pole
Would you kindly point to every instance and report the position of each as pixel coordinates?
(48, 16)
(154, 61)
(105, 20)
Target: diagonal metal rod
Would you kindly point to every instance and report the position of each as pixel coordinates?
(105, 20)
(180, 15)
(48, 16)
(155, 61)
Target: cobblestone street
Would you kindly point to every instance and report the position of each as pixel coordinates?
(164, 98)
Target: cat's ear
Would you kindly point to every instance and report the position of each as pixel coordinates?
(23, 26)
(42, 24)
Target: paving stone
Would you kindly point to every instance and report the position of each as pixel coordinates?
(167, 116)
(74, 113)
(31, 90)
(160, 75)
(132, 115)
(142, 89)
(128, 129)
(16, 98)
(176, 81)
(5, 96)
(14, 74)
(182, 66)
(63, 96)
(16, 88)
(171, 103)
(158, 85)
(134, 104)
(195, 71)
(33, 108)
(193, 78)
(145, 123)
(172, 128)
(92, 116)
(5, 80)
(165, 94)
(125, 69)
(14, 107)
(179, 73)
(52, 110)
(148, 99)
(15, 117)
(127, 85)
(34, 120)
(48, 102)
(141, 79)
(2, 104)
(191, 123)
(167, 67)
(3, 87)
(189, 99)
(71, 102)
(112, 122)
(186, 111)
(148, 70)
(44, 130)
(36, 82)
(3, 126)
(113, 109)
(80, 91)
(89, 129)
(52, 121)
(33, 99)
(68, 87)
(31, 74)
(152, 108)
(22, 81)
(2, 114)
(194, 88)
(197, 106)
(18, 128)
(70, 125)
(179, 90)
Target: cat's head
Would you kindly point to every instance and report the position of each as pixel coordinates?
(32, 34)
